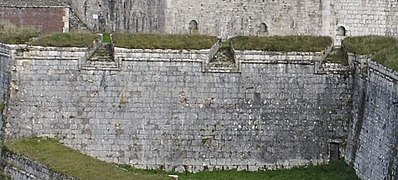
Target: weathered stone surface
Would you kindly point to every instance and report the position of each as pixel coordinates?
(5, 75)
(231, 18)
(160, 110)
(373, 140)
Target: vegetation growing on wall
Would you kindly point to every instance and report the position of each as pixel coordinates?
(384, 49)
(388, 57)
(66, 40)
(368, 44)
(163, 41)
(282, 43)
(17, 35)
(336, 170)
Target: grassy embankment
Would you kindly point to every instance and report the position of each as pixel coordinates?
(65, 160)
(70, 162)
(384, 50)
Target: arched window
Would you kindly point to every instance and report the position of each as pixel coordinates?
(263, 28)
(193, 27)
(341, 31)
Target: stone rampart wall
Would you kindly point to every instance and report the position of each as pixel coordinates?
(372, 143)
(160, 109)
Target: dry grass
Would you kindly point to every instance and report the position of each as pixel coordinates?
(282, 43)
(163, 41)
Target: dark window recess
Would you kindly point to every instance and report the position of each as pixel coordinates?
(334, 151)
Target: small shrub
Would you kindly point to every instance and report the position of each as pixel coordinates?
(66, 40)
(106, 38)
(282, 43)
(2, 106)
(162, 41)
(368, 44)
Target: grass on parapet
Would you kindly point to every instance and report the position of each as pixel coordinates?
(282, 43)
(383, 49)
(163, 41)
(66, 40)
(388, 57)
(17, 35)
(368, 44)
(70, 162)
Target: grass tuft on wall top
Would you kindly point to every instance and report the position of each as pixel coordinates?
(163, 41)
(282, 43)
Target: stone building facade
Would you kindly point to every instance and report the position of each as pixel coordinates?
(243, 17)
(224, 18)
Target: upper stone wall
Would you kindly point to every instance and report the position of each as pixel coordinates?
(365, 17)
(237, 17)
(121, 15)
(245, 17)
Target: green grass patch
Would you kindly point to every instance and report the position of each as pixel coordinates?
(66, 40)
(163, 41)
(388, 57)
(337, 56)
(106, 38)
(368, 44)
(70, 162)
(17, 35)
(336, 170)
(282, 43)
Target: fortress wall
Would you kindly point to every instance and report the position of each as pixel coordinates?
(162, 111)
(372, 143)
(231, 18)
(244, 17)
(366, 17)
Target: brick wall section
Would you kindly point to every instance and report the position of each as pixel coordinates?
(162, 111)
(45, 19)
(372, 143)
